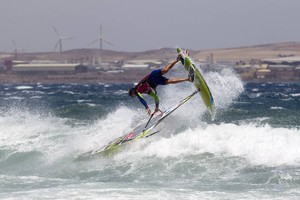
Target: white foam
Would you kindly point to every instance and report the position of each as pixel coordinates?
(276, 108)
(262, 145)
(24, 131)
(295, 95)
(225, 87)
(24, 87)
(69, 92)
(104, 130)
(83, 100)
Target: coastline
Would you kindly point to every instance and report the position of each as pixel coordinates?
(82, 78)
(94, 78)
(263, 63)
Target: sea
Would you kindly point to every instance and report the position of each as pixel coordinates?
(251, 150)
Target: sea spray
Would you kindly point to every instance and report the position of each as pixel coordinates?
(225, 86)
(259, 145)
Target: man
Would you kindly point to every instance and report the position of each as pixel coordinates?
(149, 83)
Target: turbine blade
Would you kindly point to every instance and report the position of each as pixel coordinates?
(20, 49)
(56, 31)
(107, 42)
(93, 42)
(56, 45)
(14, 42)
(67, 38)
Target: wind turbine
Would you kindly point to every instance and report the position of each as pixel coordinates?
(60, 40)
(16, 49)
(101, 40)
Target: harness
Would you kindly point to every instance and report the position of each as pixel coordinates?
(145, 86)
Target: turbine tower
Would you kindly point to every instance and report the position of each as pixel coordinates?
(101, 40)
(60, 41)
(16, 49)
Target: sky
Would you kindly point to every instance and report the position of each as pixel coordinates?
(141, 25)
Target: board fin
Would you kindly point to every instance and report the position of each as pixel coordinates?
(191, 75)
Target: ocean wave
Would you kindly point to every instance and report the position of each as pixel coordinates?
(259, 145)
(191, 157)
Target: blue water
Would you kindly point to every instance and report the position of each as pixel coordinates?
(250, 151)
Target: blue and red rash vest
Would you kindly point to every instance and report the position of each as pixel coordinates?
(149, 83)
(143, 86)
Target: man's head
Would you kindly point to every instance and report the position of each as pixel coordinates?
(132, 92)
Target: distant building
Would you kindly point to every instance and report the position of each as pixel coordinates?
(49, 68)
(283, 72)
(292, 60)
(246, 71)
(263, 73)
(141, 64)
(135, 66)
(284, 68)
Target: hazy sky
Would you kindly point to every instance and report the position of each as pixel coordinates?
(139, 25)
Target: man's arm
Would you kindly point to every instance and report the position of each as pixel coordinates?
(168, 67)
(143, 101)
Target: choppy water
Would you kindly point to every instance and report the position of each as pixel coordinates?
(250, 151)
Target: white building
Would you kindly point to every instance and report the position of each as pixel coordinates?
(49, 67)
